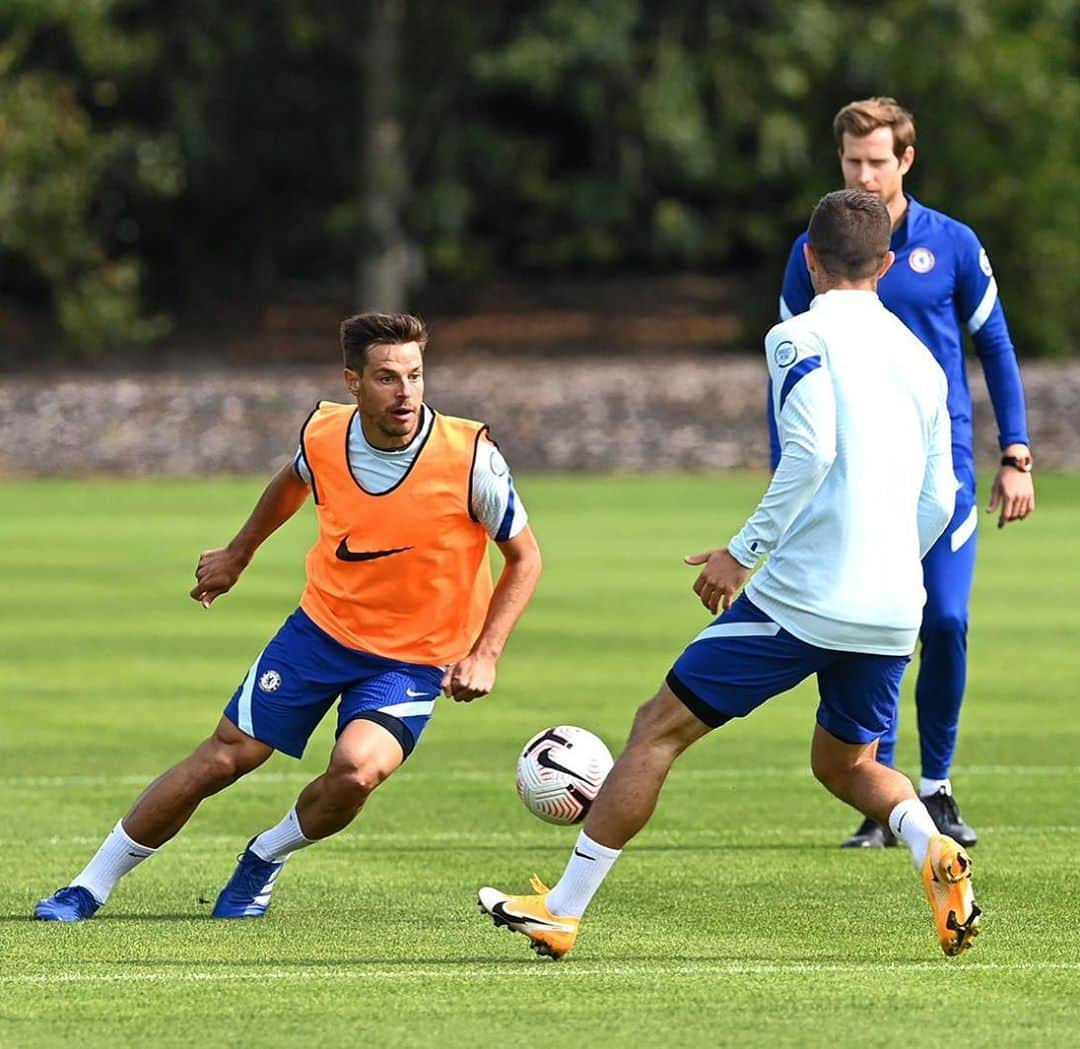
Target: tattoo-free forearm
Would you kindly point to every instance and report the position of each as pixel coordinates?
(513, 591)
(281, 498)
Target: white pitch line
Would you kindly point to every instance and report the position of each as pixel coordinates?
(539, 970)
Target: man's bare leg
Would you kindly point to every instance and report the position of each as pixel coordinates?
(853, 773)
(157, 815)
(663, 728)
(171, 800)
(363, 757)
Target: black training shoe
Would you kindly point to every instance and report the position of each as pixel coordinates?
(946, 816)
(870, 835)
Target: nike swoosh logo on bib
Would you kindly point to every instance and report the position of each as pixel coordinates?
(343, 553)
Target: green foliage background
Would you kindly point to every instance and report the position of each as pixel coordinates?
(153, 154)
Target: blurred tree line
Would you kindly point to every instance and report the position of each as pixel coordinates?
(156, 154)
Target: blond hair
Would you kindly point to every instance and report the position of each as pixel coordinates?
(859, 118)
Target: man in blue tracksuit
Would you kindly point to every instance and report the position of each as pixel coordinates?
(940, 285)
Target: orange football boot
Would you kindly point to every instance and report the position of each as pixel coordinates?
(947, 878)
(551, 935)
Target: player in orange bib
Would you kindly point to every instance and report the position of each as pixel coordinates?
(399, 607)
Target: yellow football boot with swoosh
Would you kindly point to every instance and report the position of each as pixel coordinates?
(551, 934)
(947, 879)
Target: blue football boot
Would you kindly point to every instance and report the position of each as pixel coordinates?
(247, 892)
(72, 903)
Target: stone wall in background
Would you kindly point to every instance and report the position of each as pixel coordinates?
(548, 413)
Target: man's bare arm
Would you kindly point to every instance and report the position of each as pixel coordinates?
(218, 570)
(475, 675)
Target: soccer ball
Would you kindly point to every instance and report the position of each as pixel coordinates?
(560, 771)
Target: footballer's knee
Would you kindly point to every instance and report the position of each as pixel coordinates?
(364, 756)
(218, 767)
(831, 766)
(665, 723)
(829, 774)
(353, 781)
(647, 728)
(219, 761)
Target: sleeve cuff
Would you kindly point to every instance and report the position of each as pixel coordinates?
(1005, 439)
(742, 553)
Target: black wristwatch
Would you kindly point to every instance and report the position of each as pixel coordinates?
(1017, 462)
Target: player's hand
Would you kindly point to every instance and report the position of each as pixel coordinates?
(1013, 492)
(215, 574)
(473, 677)
(720, 580)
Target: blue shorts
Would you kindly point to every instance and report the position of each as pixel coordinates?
(297, 677)
(744, 658)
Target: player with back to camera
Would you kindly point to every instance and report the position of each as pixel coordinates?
(941, 284)
(863, 489)
(398, 606)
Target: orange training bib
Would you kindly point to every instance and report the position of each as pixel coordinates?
(404, 574)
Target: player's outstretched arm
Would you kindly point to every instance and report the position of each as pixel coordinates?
(218, 570)
(474, 676)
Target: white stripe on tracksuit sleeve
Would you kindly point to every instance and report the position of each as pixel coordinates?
(807, 428)
(939, 485)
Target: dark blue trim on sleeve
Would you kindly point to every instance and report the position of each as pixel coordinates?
(804, 367)
(303, 451)
(508, 518)
(774, 435)
(482, 432)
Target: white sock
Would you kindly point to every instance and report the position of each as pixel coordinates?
(118, 855)
(586, 871)
(911, 822)
(932, 786)
(278, 843)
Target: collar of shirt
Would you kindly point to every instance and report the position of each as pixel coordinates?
(359, 439)
(844, 297)
(912, 216)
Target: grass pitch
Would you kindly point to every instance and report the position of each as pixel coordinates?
(733, 919)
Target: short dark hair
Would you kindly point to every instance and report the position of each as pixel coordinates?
(850, 232)
(360, 333)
